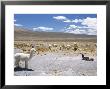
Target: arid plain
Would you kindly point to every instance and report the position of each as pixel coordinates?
(57, 54)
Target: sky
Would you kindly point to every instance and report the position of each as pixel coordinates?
(67, 23)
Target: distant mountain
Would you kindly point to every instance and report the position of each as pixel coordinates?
(26, 34)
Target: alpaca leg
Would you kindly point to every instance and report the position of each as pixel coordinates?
(17, 62)
(26, 64)
(38, 52)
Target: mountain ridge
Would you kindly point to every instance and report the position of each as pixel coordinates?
(28, 34)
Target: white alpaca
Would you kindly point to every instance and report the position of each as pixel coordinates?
(55, 45)
(50, 46)
(24, 57)
(68, 47)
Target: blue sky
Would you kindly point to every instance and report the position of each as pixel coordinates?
(68, 23)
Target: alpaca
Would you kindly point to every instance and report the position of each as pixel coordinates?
(87, 58)
(84, 58)
(50, 46)
(68, 47)
(91, 59)
(24, 57)
(55, 45)
(60, 48)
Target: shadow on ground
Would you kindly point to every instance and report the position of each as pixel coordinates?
(22, 69)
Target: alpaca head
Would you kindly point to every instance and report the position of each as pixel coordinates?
(32, 52)
(82, 55)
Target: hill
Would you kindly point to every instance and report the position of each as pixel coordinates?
(26, 34)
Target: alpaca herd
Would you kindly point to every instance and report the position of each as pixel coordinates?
(57, 46)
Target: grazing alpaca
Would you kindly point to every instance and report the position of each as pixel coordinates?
(24, 57)
(50, 46)
(87, 58)
(55, 45)
(68, 47)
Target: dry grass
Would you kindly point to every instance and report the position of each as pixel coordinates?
(41, 46)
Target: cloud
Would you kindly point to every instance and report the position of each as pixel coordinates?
(60, 17)
(42, 29)
(76, 31)
(80, 30)
(18, 25)
(87, 26)
(83, 27)
(90, 22)
(77, 20)
(67, 21)
(14, 20)
(92, 32)
(72, 26)
(73, 21)
(15, 24)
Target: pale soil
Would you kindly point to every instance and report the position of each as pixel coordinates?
(59, 64)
